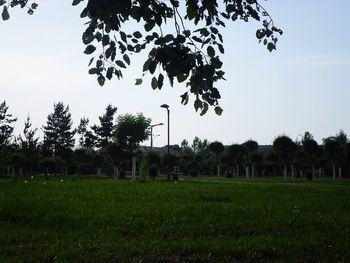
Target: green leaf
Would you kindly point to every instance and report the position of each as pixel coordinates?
(138, 82)
(181, 77)
(101, 80)
(149, 26)
(90, 49)
(146, 65)
(34, 5)
(271, 46)
(93, 71)
(160, 80)
(5, 14)
(109, 73)
(105, 40)
(120, 63)
(76, 2)
(154, 83)
(126, 59)
(218, 110)
(197, 104)
(211, 51)
(137, 34)
(152, 67)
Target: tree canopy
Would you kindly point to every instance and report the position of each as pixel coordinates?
(187, 52)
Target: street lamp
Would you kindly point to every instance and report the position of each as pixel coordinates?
(165, 106)
(154, 125)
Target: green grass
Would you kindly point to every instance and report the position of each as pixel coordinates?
(94, 220)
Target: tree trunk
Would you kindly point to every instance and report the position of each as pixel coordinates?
(253, 170)
(247, 171)
(339, 172)
(313, 172)
(133, 169)
(218, 169)
(334, 173)
(274, 171)
(20, 171)
(292, 170)
(99, 172)
(285, 172)
(301, 173)
(8, 170)
(115, 172)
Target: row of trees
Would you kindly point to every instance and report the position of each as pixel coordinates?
(112, 147)
(97, 144)
(284, 156)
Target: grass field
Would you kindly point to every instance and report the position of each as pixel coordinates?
(100, 220)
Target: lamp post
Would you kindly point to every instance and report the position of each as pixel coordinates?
(154, 125)
(165, 106)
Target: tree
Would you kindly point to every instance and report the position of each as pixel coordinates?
(104, 132)
(332, 151)
(310, 147)
(217, 148)
(130, 131)
(58, 132)
(29, 144)
(285, 149)
(190, 55)
(256, 160)
(115, 154)
(272, 159)
(236, 153)
(251, 146)
(6, 132)
(87, 138)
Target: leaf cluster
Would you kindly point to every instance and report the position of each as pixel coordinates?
(184, 55)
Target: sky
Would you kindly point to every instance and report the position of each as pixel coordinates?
(303, 86)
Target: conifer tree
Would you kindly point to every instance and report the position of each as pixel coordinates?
(58, 132)
(104, 131)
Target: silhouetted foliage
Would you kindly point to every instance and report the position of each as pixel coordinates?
(58, 132)
(104, 131)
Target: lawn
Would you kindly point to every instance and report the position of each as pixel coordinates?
(100, 220)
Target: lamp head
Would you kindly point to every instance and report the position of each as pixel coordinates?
(166, 106)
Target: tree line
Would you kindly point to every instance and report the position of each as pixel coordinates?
(112, 147)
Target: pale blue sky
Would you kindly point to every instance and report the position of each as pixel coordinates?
(303, 86)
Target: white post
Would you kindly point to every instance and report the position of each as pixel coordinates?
(333, 168)
(133, 169)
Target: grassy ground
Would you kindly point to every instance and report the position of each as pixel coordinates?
(94, 220)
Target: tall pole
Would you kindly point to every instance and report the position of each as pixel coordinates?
(165, 106)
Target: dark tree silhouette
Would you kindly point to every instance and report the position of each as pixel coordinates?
(217, 148)
(29, 144)
(6, 133)
(236, 153)
(332, 152)
(310, 147)
(58, 132)
(251, 146)
(104, 131)
(285, 149)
